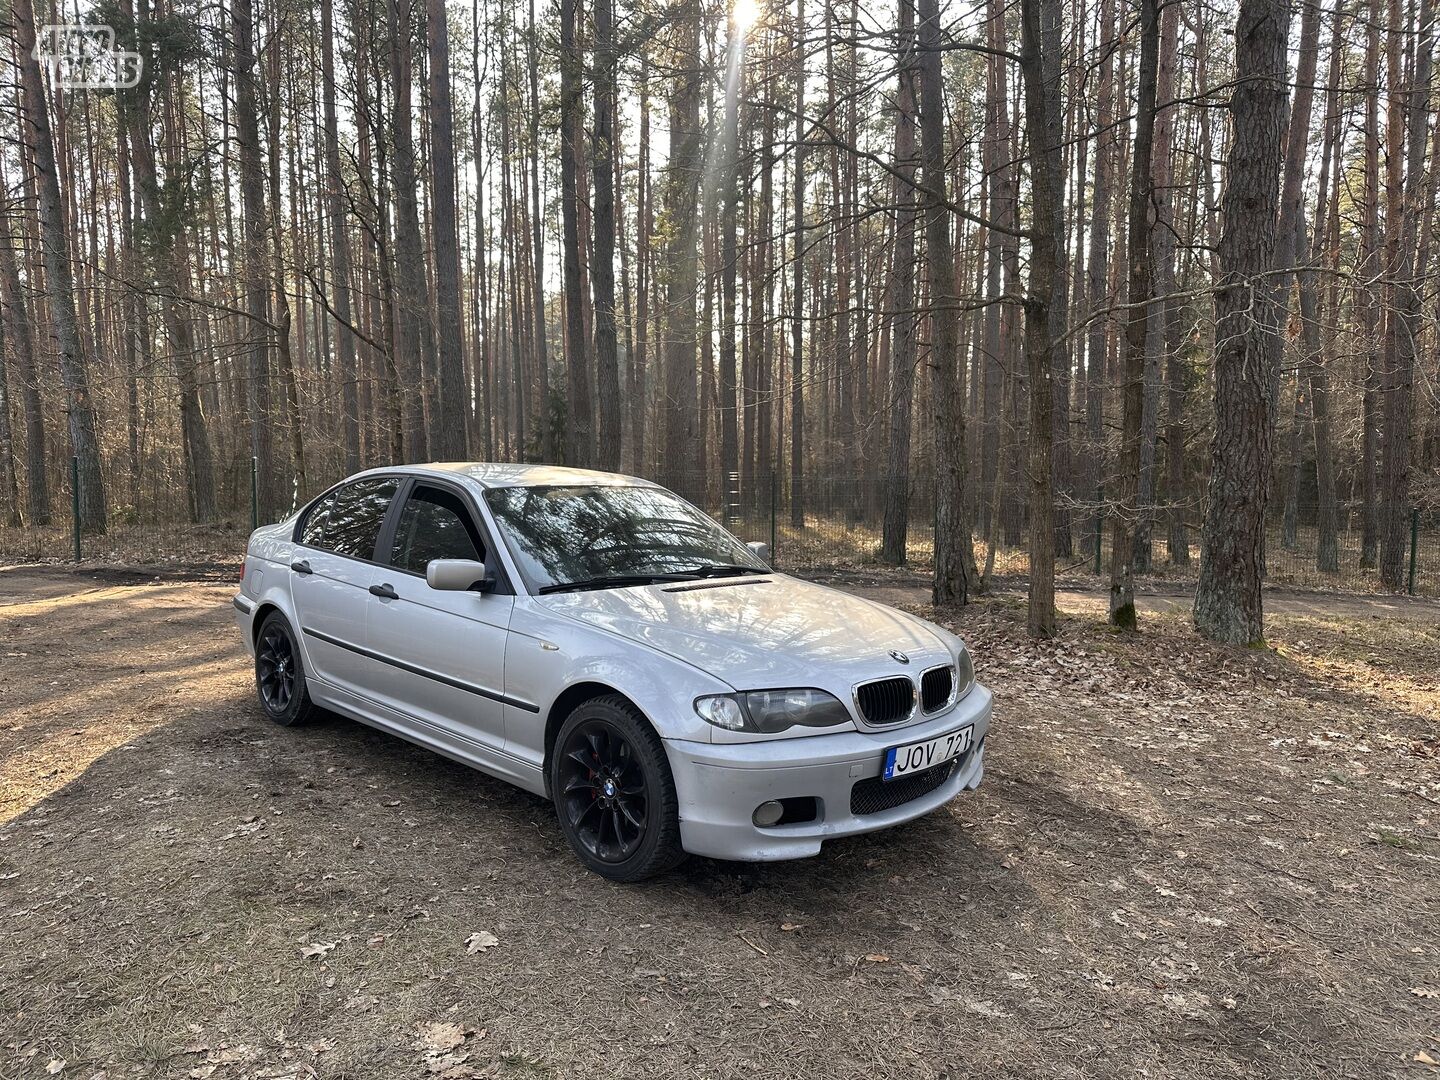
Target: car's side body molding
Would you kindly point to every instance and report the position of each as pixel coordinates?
(472, 688)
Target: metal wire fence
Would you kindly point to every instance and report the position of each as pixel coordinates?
(833, 523)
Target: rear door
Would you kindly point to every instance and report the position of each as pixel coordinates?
(330, 578)
(446, 650)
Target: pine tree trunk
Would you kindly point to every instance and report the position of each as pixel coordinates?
(74, 370)
(797, 290)
(1045, 306)
(452, 431)
(729, 215)
(1227, 598)
(1000, 170)
(20, 345)
(484, 422)
(132, 325)
(903, 317)
(602, 272)
(1125, 528)
(546, 440)
(1410, 113)
(1367, 304)
(1097, 264)
(765, 459)
(411, 304)
(955, 571)
(1288, 248)
(284, 319)
(339, 248)
(579, 438)
(8, 483)
(1177, 539)
(254, 224)
(682, 413)
(643, 229)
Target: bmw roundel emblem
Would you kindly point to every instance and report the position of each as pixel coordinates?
(899, 656)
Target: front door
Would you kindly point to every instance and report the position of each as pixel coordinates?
(330, 577)
(445, 650)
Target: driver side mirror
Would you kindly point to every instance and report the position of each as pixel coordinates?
(760, 550)
(458, 575)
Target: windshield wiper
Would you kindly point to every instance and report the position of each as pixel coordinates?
(723, 570)
(614, 581)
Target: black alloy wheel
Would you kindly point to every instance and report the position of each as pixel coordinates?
(613, 791)
(604, 797)
(280, 673)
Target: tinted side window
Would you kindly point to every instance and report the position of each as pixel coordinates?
(354, 514)
(434, 524)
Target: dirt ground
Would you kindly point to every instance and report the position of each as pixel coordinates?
(1185, 861)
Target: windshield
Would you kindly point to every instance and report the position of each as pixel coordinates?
(565, 535)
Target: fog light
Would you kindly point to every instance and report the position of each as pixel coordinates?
(767, 813)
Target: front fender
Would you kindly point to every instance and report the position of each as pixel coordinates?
(547, 654)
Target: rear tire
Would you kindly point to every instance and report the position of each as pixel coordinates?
(280, 673)
(613, 791)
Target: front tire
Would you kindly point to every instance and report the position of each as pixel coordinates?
(614, 793)
(280, 673)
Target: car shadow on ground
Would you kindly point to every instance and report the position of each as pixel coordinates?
(466, 799)
(337, 780)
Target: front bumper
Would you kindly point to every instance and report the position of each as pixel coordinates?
(719, 786)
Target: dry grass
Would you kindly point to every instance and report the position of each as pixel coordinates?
(1186, 861)
(166, 546)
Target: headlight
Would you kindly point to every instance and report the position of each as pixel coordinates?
(964, 673)
(769, 711)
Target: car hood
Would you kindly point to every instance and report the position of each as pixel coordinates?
(763, 632)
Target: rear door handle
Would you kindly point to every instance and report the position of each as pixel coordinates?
(300, 566)
(385, 592)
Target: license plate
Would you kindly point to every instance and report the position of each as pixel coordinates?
(917, 757)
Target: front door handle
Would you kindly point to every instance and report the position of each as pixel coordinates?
(300, 566)
(384, 592)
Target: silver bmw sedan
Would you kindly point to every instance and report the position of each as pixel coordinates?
(597, 640)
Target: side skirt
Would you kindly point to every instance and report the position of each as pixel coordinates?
(476, 755)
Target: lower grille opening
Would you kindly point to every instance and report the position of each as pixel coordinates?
(874, 795)
(798, 811)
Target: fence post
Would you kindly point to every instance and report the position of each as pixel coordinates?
(75, 502)
(1414, 543)
(254, 494)
(773, 561)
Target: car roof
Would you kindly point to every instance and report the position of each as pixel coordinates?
(500, 474)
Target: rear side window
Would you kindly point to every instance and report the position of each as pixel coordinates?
(348, 520)
(434, 524)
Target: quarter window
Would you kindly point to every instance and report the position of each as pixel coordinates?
(315, 522)
(434, 524)
(348, 520)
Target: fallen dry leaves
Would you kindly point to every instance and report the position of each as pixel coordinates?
(442, 1044)
(480, 941)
